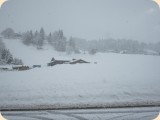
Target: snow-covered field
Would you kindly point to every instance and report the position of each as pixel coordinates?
(116, 79)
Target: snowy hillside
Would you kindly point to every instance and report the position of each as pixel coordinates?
(29, 54)
(115, 79)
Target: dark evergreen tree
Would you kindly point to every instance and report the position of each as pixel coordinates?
(6, 56)
(40, 37)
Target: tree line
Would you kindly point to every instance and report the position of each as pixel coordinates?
(77, 45)
(39, 38)
(117, 46)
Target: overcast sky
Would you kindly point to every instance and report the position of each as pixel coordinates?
(90, 19)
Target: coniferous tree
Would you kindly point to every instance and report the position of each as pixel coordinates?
(42, 34)
(6, 56)
(50, 39)
(27, 38)
(59, 41)
(40, 38)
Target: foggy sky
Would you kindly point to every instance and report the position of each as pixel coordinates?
(89, 19)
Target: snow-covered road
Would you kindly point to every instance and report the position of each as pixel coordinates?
(148, 113)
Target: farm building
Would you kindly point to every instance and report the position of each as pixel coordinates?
(20, 67)
(78, 61)
(55, 62)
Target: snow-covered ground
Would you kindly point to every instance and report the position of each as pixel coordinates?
(116, 79)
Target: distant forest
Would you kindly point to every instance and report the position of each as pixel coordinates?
(60, 43)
